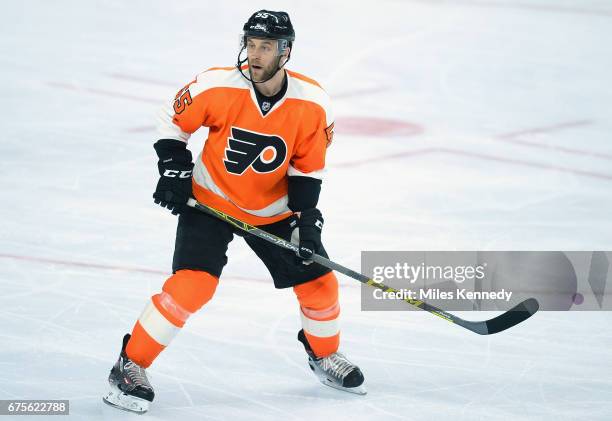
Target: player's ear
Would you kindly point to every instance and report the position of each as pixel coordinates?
(285, 54)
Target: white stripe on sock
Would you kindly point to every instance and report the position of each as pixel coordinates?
(318, 328)
(157, 326)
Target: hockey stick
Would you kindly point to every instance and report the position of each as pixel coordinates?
(512, 317)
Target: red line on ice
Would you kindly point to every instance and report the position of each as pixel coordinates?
(372, 160)
(545, 129)
(102, 92)
(375, 126)
(90, 265)
(485, 157)
(512, 138)
(141, 79)
(527, 163)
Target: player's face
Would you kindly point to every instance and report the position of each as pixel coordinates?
(263, 58)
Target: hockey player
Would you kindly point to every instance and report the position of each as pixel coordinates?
(262, 162)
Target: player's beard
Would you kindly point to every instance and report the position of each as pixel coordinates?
(266, 72)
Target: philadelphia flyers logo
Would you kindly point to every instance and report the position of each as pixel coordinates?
(264, 153)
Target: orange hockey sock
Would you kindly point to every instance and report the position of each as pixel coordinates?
(319, 310)
(183, 294)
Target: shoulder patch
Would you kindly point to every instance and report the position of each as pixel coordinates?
(329, 132)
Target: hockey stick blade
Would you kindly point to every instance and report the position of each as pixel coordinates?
(506, 320)
(517, 314)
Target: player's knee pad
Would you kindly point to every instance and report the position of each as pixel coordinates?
(320, 294)
(188, 290)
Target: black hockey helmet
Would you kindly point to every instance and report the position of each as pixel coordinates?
(272, 25)
(269, 24)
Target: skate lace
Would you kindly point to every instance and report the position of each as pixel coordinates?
(337, 364)
(136, 374)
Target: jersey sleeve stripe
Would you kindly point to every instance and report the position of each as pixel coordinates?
(166, 128)
(292, 171)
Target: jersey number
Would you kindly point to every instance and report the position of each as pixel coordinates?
(182, 100)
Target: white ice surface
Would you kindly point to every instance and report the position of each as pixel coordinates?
(514, 102)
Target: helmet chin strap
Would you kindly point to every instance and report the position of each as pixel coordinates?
(239, 64)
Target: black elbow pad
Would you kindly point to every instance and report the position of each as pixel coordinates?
(303, 192)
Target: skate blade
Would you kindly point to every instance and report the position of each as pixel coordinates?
(359, 390)
(118, 399)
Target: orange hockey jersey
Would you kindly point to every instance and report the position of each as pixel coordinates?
(247, 157)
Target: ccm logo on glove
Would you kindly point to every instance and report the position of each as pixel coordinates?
(175, 168)
(174, 173)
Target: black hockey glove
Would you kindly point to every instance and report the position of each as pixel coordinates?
(310, 226)
(175, 169)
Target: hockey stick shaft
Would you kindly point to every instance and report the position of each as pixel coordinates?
(512, 317)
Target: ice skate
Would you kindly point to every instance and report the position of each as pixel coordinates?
(335, 370)
(130, 389)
